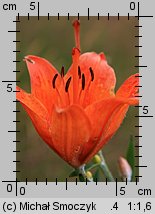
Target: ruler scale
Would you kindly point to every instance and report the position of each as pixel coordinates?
(43, 196)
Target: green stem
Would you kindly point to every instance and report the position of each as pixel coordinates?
(92, 166)
(104, 168)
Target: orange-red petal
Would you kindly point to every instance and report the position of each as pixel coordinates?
(71, 130)
(41, 76)
(104, 77)
(37, 112)
(106, 116)
(129, 88)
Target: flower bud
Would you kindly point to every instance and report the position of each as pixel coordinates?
(97, 159)
(125, 169)
(89, 175)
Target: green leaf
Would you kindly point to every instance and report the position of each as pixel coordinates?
(130, 156)
(74, 173)
(96, 176)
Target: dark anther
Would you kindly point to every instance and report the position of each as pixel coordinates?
(67, 84)
(83, 81)
(54, 80)
(79, 72)
(92, 73)
(62, 71)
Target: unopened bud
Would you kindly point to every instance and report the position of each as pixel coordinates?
(89, 175)
(125, 169)
(97, 159)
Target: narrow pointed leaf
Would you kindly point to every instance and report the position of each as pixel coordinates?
(130, 156)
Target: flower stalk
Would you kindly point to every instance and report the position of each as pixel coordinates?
(104, 168)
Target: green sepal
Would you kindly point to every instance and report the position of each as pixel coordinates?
(74, 173)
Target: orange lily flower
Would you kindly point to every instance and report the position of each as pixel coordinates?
(76, 114)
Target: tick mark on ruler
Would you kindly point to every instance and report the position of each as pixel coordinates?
(138, 76)
(118, 16)
(16, 21)
(138, 96)
(16, 41)
(96, 181)
(88, 13)
(66, 183)
(108, 16)
(38, 10)
(140, 66)
(138, 86)
(14, 131)
(143, 115)
(116, 186)
(138, 126)
(11, 81)
(106, 181)
(13, 31)
(138, 176)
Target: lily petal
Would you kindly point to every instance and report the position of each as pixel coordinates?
(100, 112)
(109, 129)
(41, 76)
(104, 77)
(130, 87)
(37, 112)
(71, 130)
